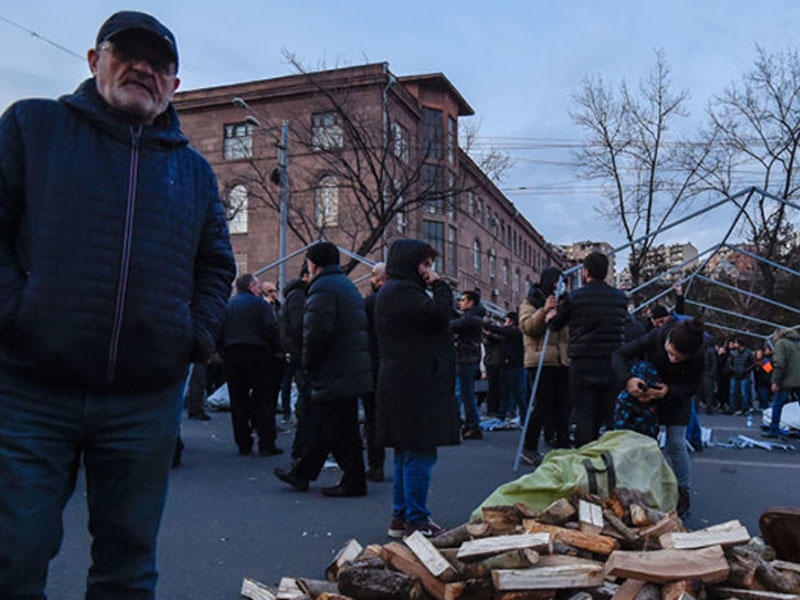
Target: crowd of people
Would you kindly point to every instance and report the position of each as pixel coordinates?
(116, 270)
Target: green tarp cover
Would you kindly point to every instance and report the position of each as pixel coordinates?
(638, 464)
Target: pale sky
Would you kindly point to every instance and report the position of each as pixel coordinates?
(517, 63)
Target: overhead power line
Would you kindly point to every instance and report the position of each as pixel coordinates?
(38, 36)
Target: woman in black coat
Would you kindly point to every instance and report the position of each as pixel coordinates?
(676, 352)
(416, 402)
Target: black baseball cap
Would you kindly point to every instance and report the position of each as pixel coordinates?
(127, 20)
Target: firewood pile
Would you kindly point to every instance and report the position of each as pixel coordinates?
(581, 548)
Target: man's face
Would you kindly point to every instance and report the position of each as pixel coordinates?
(376, 279)
(659, 322)
(254, 287)
(313, 270)
(270, 292)
(465, 303)
(424, 268)
(135, 74)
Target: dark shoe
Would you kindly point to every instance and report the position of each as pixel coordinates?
(301, 485)
(344, 491)
(426, 528)
(375, 475)
(531, 457)
(397, 528)
(199, 417)
(271, 451)
(472, 433)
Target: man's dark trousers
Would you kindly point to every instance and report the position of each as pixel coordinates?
(254, 380)
(593, 390)
(376, 455)
(45, 431)
(334, 429)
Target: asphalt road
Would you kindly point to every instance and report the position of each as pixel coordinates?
(228, 517)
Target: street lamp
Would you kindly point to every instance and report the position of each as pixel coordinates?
(283, 175)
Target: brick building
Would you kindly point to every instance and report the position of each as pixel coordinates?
(576, 252)
(371, 157)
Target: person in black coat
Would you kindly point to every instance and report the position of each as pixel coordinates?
(337, 363)
(676, 351)
(596, 314)
(417, 409)
(512, 367)
(376, 455)
(251, 350)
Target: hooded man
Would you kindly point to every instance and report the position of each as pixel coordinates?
(785, 375)
(417, 408)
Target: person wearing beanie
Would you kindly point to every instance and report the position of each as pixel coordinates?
(675, 353)
(338, 368)
(115, 268)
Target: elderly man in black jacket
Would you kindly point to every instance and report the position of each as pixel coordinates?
(337, 363)
(251, 350)
(596, 314)
(115, 265)
(416, 402)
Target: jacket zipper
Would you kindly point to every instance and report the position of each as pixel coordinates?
(130, 206)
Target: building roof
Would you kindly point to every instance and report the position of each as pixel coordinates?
(438, 80)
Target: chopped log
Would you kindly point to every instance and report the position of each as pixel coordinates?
(649, 592)
(459, 535)
(255, 590)
(402, 559)
(515, 559)
(525, 511)
(628, 534)
(289, 590)
(555, 560)
(729, 536)
(605, 591)
(552, 578)
(668, 524)
(480, 549)
(557, 513)
(749, 558)
(429, 556)
(331, 596)
(581, 596)
(639, 517)
(472, 589)
(675, 590)
(743, 572)
(660, 566)
(745, 594)
(346, 553)
(629, 589)
(374, 584)
(573, 525)
(613, 504)
(785, 565)
(526, 595)
(451, 556)
(590, 517)
(371, 551)
(315, 587)
(598, 544)
(479, 530)
(502, 519)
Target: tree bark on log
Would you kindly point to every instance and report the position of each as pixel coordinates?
(374, 584)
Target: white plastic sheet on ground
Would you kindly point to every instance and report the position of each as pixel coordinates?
(219, 400)
(790, 417)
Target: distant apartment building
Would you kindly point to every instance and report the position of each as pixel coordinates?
(673, 259)
(366, 149)
(576, 252)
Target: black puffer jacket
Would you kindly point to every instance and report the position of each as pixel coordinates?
(512, 350)
(115, 260)
(250, 322)
(468, 331)
(291, 317)
(416, 402)
(335, 345)
(740, 362)
(683, 378)
(596, 314)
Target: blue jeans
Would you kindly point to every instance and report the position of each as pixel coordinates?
(512, 392)
(693, 431)
(678, 455)
(743, 385)
(779, 399)
(465, 376)
(126, 442)
(412, 479)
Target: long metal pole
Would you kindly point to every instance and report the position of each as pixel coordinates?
(284, 216)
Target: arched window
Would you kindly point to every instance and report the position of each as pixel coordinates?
(476, 255)
(326, 202)
(492, 262)
(237, 209)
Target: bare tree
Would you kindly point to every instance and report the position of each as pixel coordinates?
(756, 129)
(631, 146)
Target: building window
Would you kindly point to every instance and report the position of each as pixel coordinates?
(433, 233)
(400, 142)
(492, 262)
(471, 203)
(326, 202)
(476, 256)
(452, 247)
(502, 231)
(401, 220)
(479, 211)
(432, 133)
(237, 209)
(241, 262)
(451, 141)
(515, 286)
(326, 131)
(452, 196)
(238, 141)
(432, 189)
(505, 272)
